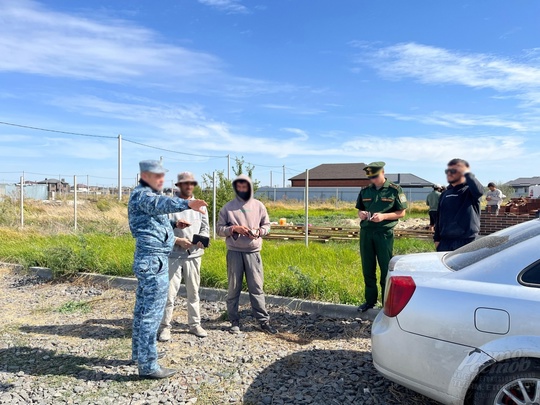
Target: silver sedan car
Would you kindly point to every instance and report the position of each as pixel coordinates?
(463, 327)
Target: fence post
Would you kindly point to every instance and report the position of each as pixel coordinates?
(214, 206)
(22, 201)
(119, 167)
(75, 202)
(306, 224)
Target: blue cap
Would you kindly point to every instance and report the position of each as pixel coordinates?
(152, 166)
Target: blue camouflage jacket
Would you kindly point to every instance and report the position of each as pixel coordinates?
(148, 220)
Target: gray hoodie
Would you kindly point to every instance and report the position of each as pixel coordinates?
(251, 213)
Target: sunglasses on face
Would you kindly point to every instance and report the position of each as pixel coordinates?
(451, 171)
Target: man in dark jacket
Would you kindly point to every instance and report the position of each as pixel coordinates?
(458, 220)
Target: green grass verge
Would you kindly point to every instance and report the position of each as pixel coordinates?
(328, 272)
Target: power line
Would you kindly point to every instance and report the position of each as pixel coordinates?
(191, 160)
(170, 150)
(56, 131)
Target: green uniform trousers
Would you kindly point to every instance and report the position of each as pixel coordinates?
(376, 245)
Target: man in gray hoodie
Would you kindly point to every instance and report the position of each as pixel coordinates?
(243, 222)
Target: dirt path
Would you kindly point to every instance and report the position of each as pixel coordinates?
(69, 343)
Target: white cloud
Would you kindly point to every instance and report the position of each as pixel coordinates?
(434, 65)
(299, 110)
(187, 128)
(229, 6)
(40, 41)
(440, 148)
(26, 146)
(301, 135)
(453, 120)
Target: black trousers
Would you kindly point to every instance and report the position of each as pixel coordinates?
(448, 245)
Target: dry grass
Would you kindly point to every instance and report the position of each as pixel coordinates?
(55, 217)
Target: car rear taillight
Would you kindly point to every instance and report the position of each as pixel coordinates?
(400, 291)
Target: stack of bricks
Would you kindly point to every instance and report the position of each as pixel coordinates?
(493, 223)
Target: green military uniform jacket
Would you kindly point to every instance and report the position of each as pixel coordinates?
(389, 198)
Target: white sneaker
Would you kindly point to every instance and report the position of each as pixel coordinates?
(165, 335)
(198, 331)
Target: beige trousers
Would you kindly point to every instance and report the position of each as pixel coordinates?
(190, 271)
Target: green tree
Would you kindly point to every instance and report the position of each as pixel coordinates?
(241, 167)
(224, 189)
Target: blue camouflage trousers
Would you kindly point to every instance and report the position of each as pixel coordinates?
(152, 272)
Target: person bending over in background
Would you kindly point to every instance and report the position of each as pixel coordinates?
(458, 219)
(494, 198)
(243, 221)
(185, 260)
(380, 205)
(153, 233)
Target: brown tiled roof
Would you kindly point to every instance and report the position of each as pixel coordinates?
(354, 171)
(335, 171)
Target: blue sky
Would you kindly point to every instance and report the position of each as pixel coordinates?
(281, 82)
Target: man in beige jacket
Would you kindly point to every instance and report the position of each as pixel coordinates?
(185, 260)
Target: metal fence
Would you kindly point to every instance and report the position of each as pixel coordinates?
(33, 192)
(329, 193)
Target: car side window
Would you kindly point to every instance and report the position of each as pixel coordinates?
(531, 275)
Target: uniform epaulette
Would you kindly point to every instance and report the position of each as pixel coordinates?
(393, 185)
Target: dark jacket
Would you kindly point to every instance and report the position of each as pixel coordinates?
(459, 211)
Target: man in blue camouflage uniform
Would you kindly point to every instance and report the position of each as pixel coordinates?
(153, 232)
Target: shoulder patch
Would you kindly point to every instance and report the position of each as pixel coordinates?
(402, 198)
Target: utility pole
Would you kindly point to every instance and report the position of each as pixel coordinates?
(119, 167)
(271, 180)
(229, 166)
(22, 201)
(75, 202)
(214, 203)
(283, 176)
(306, 227)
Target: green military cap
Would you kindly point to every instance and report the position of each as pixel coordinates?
(373, 169)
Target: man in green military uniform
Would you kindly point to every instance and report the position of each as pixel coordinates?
(379, 205)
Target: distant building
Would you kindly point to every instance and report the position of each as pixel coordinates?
(521, 185)
(56, 186)
(351, 175)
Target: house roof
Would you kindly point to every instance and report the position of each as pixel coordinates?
(524, 181)
(51, 181)
(354, 171)
(335, 171)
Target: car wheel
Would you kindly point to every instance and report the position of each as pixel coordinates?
(515, 382)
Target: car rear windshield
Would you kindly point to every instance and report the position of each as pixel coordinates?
(492, 244)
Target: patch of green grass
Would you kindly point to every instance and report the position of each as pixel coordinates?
(317, 216)
(71, 307)
(328, 272)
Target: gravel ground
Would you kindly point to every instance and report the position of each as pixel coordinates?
(69, 343)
